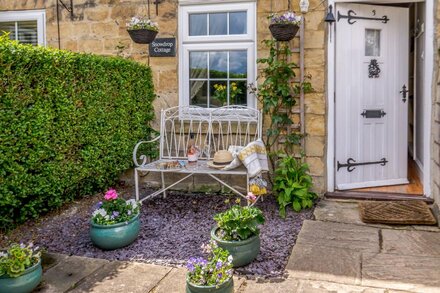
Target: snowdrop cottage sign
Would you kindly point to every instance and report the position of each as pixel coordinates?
(163, 47)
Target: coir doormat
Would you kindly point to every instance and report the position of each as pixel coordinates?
(410, 212)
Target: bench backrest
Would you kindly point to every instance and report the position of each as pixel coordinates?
(212, 130)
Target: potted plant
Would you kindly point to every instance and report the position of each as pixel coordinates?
(115, 223)
(213, 274)
(20, 269)
(238, 232)
(142, 30)
(284, 27)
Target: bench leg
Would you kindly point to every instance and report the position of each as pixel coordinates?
(136, 183)
(163, 185)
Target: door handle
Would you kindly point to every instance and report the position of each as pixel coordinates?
(404, 91)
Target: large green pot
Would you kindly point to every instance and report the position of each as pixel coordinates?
(226, 287)
(25, 283)
(115, 236)
(243, 252)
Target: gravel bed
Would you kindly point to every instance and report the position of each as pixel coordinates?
(172, 230)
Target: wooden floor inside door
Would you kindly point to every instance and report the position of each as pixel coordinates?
(414, 187)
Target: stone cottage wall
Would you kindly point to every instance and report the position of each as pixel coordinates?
(99, 27)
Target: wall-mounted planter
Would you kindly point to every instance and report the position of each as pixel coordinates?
(142, 36)
(283, 31)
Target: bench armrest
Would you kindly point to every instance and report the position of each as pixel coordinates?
(143, 158)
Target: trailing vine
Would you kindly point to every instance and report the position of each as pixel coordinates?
(278, 95)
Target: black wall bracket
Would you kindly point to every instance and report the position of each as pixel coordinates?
(351, 164)
(68, 8)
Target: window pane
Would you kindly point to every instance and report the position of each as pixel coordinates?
(238, 64)
(218, 64)
(218, 24)
(198, 24)
(237, 23)
(372, 42)
(237, 92)
(198, 64)
(198, 93)
(6, 27)
(219, 93)
(27, 32)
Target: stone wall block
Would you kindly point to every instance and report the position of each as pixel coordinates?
(99, 13)
(316, 165)
(104, 30)
(315, 103)
(315, 125)
(315, 146)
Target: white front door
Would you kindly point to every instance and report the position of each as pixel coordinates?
(371, 99)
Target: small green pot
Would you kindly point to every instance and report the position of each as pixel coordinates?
(226, 287)
(23, 284)
(115, 236)
(243, 252)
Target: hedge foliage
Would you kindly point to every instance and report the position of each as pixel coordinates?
(68, 125)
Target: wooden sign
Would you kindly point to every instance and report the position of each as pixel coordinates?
(163, 47)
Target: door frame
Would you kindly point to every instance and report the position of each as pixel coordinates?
(427, 87)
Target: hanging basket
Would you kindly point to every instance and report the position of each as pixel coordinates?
(142, 36)
(283, 31)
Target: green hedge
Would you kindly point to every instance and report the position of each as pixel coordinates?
(68, 125)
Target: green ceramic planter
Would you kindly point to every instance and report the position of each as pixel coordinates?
(226, 287)
(243, 252)
(115, 236)
(24, 283)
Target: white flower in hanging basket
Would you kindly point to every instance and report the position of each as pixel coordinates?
(142, 30)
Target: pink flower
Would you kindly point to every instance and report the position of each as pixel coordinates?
(251, 197)
(111, 194)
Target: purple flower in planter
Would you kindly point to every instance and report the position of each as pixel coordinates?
(115, 214)
(129, 212)
(218, 265)
(190, 267)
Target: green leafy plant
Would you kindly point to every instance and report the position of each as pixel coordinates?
(292, 183)
(68, 123)
(17, 258)
(239, 223)
(279, 95)
(212, 271)
(114, 209)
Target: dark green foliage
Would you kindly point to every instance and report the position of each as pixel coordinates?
(239, 223)
(292, 184)
(68, 123)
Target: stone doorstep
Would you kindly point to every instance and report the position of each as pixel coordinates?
(401, 272)
(338, 235)
(315, 262)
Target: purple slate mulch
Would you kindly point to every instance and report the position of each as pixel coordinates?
(172, 230)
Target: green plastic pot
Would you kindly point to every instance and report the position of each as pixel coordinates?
(226, 287)
(25, 283)
(115, 236)
(243, 252)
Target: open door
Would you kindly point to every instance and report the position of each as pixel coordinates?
(371, 95)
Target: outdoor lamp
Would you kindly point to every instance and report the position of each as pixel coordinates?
(330, 18)
(304, 6)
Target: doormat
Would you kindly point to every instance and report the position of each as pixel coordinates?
(410, 212)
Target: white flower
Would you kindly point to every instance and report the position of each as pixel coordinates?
(101, 212)
(230, 258)
(132, 202)
(3, 254)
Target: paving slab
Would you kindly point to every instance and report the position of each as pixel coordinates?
(335, 211)
(338, 235)
(332, 264)
(68, 273)
(49, 260)
(124, 277)
(411, 242)
(401, 272)
(287, 286)
(307, 286)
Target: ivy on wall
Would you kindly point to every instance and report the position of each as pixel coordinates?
(68, 123)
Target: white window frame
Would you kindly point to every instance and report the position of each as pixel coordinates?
(189, 43)
(28, 15)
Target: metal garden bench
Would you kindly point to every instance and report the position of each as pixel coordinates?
(212, 131)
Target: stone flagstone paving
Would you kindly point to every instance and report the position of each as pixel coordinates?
(329, 256)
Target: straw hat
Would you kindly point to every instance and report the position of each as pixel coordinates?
(221, 159)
